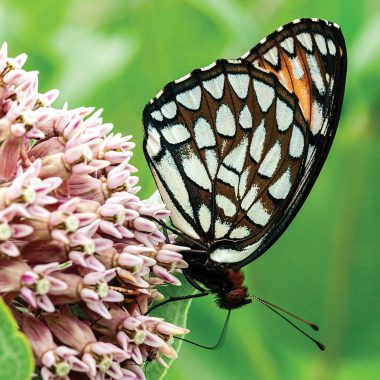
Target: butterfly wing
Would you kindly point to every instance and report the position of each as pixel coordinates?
(234, 151)
(308, 56)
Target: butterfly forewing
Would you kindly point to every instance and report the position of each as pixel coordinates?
(236, 146)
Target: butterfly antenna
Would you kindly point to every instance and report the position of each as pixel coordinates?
(220, 341)
(273, 307)
(312, 325)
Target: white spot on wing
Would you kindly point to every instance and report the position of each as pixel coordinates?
(229, 177)
(280, 189)
(239, 83)
(316, 118)
(257, 143)
(168, 171)
(271, 160)
(297, 143)
(245, 118)
(284, 115)
(208, 67)
(169, 110)
(240, 232)
(234, 61)
(204, 136)
(176, 134)
(215, 86)
(250, 197)
(316, 73)
(272, 56)
(288, 45)
(153, 143)
(204, 216)
(221, 228)
(264, 93)
(305, 40)
(321, 43)
(297, 68)
(225, 121)
(243, 183)
(246, 54)
(331, 46)
(179, 80)
(226, 205)
(212, 162)
(191, 99)
(236, 158)
(157, 115)
(258, 214)
(196, 171)
(228, 255)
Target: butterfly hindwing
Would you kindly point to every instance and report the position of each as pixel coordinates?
(235, 148)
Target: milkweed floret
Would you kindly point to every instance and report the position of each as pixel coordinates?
(80, 254)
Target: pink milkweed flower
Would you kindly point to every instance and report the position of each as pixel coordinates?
(61, 363)
(37, 284)
(55, 361)
(10, 231)
(103, 360)
(28, 189)
(83, 245)
(76, 239)
(97, 291)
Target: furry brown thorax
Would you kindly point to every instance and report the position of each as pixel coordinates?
(227, 284)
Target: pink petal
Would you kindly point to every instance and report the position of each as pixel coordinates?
(77, 365)
(78, 258)
(165, 275)
(89, 295)
(110, 229)
(48, 359)
(125, 232)
(45, 304)
(114, 371)
(153, 340)
(99, 308)
(29, 278)
(46, 268)
(9, 249)
(29, 296)
(95, 277)
(21, 230)
(113, 296)
(127, 260)
(56, 286)
(136, 355)
(66, 351)
(91, 363)
(94, 264)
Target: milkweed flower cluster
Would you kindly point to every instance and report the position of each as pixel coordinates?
(80, 254)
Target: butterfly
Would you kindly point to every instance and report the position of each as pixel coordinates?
(235, 148)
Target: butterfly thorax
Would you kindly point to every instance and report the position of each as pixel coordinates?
(225, 283)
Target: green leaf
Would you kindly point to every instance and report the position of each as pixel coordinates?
(173, 312)
(16, 359)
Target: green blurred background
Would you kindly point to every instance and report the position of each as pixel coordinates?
(118, 54)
